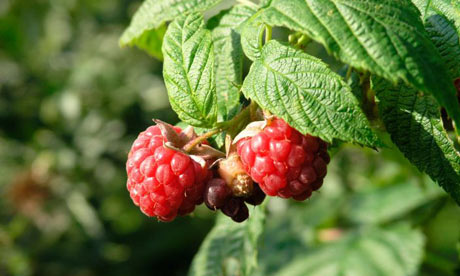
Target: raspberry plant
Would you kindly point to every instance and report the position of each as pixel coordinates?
(401, 63)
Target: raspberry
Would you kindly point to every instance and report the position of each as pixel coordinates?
(163, 182)
(242, 214)
(257, 196)
(232, 206)
(236, 209)
(216, 194)
(284, 162)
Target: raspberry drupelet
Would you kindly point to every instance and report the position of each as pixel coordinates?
(284, 162)
(163, 182)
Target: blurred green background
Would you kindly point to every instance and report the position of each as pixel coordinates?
(71, 103)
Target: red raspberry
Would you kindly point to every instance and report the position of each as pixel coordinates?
(162, 181)
(284, 162)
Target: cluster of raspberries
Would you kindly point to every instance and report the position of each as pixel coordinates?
(165, 181)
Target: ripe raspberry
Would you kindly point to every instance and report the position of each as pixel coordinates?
(162, 181)
(284, 162)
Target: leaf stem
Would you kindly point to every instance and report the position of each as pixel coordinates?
(253, 110)
(233, 126)
(349, 71)
(192, 144)
(268, 33)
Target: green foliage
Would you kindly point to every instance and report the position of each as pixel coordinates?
(71, 105)
(229, 58)
(446, 39)
(442, 22)
(383, 204)
(307, 94)
(449, 8)
(151, 42)
(230, 248)
(357, 226)
(396, 250)
(413, 121)
(386, 38)
(252, 37)
(150, 18)
(189, 70)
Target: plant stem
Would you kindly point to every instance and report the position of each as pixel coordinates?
(192, 144)
(268, 33)
(253, 110)
(349, 71)
(244, 114)
(234, 125)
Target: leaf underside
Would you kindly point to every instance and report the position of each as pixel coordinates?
(151, 42)
(251, 37)
(152, 14)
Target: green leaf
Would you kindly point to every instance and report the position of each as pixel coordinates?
(230, 248)
(188, 70)
(395, 251)
(449, 8)
(385, 37)
(147, 26)
(252, 37)
(413, 121)
(442, 22)
(151, 42)
(446, 39)
(302, 90)
(229, 59)
(382, 204)
(290, 229)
